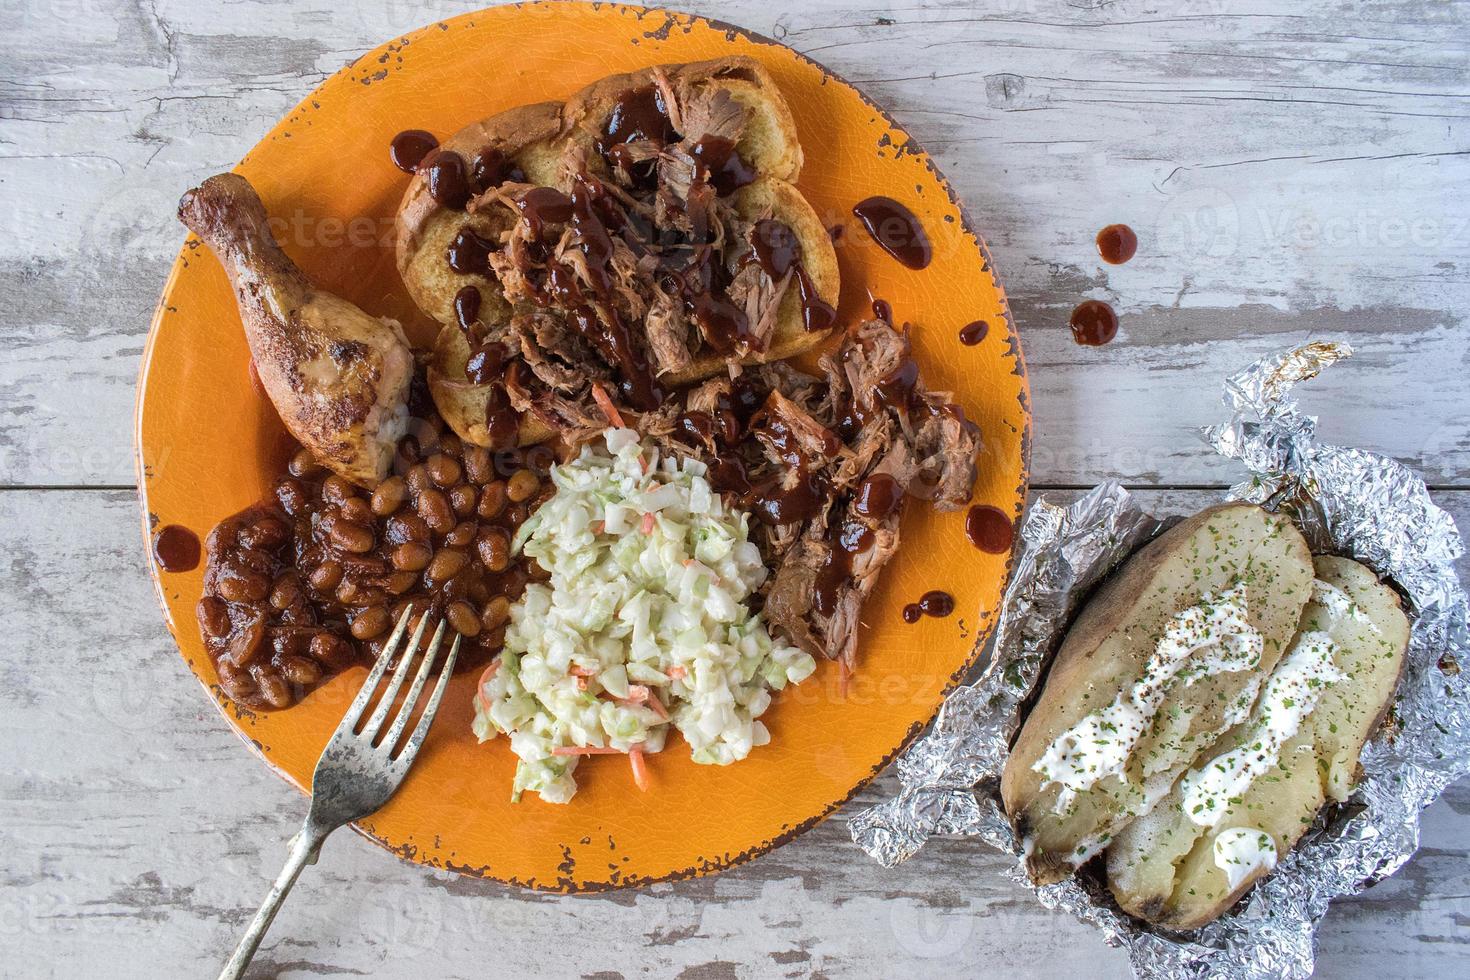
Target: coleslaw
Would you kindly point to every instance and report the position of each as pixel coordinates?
(643, 625)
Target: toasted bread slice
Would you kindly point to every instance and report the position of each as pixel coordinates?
(1164, 866)
(538, 139)
(526, 136)
(1108, 651)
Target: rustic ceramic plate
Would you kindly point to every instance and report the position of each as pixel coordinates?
(209, 444)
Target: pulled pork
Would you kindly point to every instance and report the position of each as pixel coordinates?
(824, 464)
(637, 265)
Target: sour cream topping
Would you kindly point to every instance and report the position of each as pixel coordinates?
(1211, 638)
(1239, 851)
(1291, 692)
(1339, 604)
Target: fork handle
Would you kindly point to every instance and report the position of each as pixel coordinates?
(304, 847)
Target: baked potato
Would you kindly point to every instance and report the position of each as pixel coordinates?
(1225, 822)
(548, 144)
(1117, 721)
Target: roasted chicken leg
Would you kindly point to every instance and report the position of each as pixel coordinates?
(338, 377)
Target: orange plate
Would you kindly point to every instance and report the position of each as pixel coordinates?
(209, 445)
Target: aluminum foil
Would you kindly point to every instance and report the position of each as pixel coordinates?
(1348, 502)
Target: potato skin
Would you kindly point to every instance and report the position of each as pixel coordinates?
(1109, 644)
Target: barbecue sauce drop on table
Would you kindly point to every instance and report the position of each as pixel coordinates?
(1094, 323)
(176, 549)
(896, 230)
(1117, 244)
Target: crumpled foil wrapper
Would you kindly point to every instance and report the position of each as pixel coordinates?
(1348, 502)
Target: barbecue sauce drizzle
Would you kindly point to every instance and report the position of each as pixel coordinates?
(410, 147)
(896, 229)
(176, 549)
(933, 603)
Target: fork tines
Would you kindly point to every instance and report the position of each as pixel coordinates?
(348, 729)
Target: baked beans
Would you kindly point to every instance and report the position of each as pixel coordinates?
(311, 580)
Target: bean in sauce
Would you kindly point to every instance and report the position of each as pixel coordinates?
(309, 581)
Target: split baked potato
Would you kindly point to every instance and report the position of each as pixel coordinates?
(1109, 649)
(1182, 864)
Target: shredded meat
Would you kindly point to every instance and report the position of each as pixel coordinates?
(575, 421)
(947, 444)
(706, 397)
(872, 441)
(753, 292)
(789, 598)
(792, 436)
(922, 443)
(808, 392)
(668, 334)
(672, 103)
(556, 354)
(713, 112)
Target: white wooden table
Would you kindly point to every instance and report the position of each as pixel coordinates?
(1294, 170)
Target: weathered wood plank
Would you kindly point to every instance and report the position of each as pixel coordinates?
(1291, 174)
(138, 834)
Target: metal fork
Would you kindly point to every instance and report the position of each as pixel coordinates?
(354, 777)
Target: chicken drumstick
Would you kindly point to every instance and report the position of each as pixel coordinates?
(338, 377)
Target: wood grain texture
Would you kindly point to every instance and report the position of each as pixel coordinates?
(1292, 170)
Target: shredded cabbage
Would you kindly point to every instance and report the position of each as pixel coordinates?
(643, 624)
